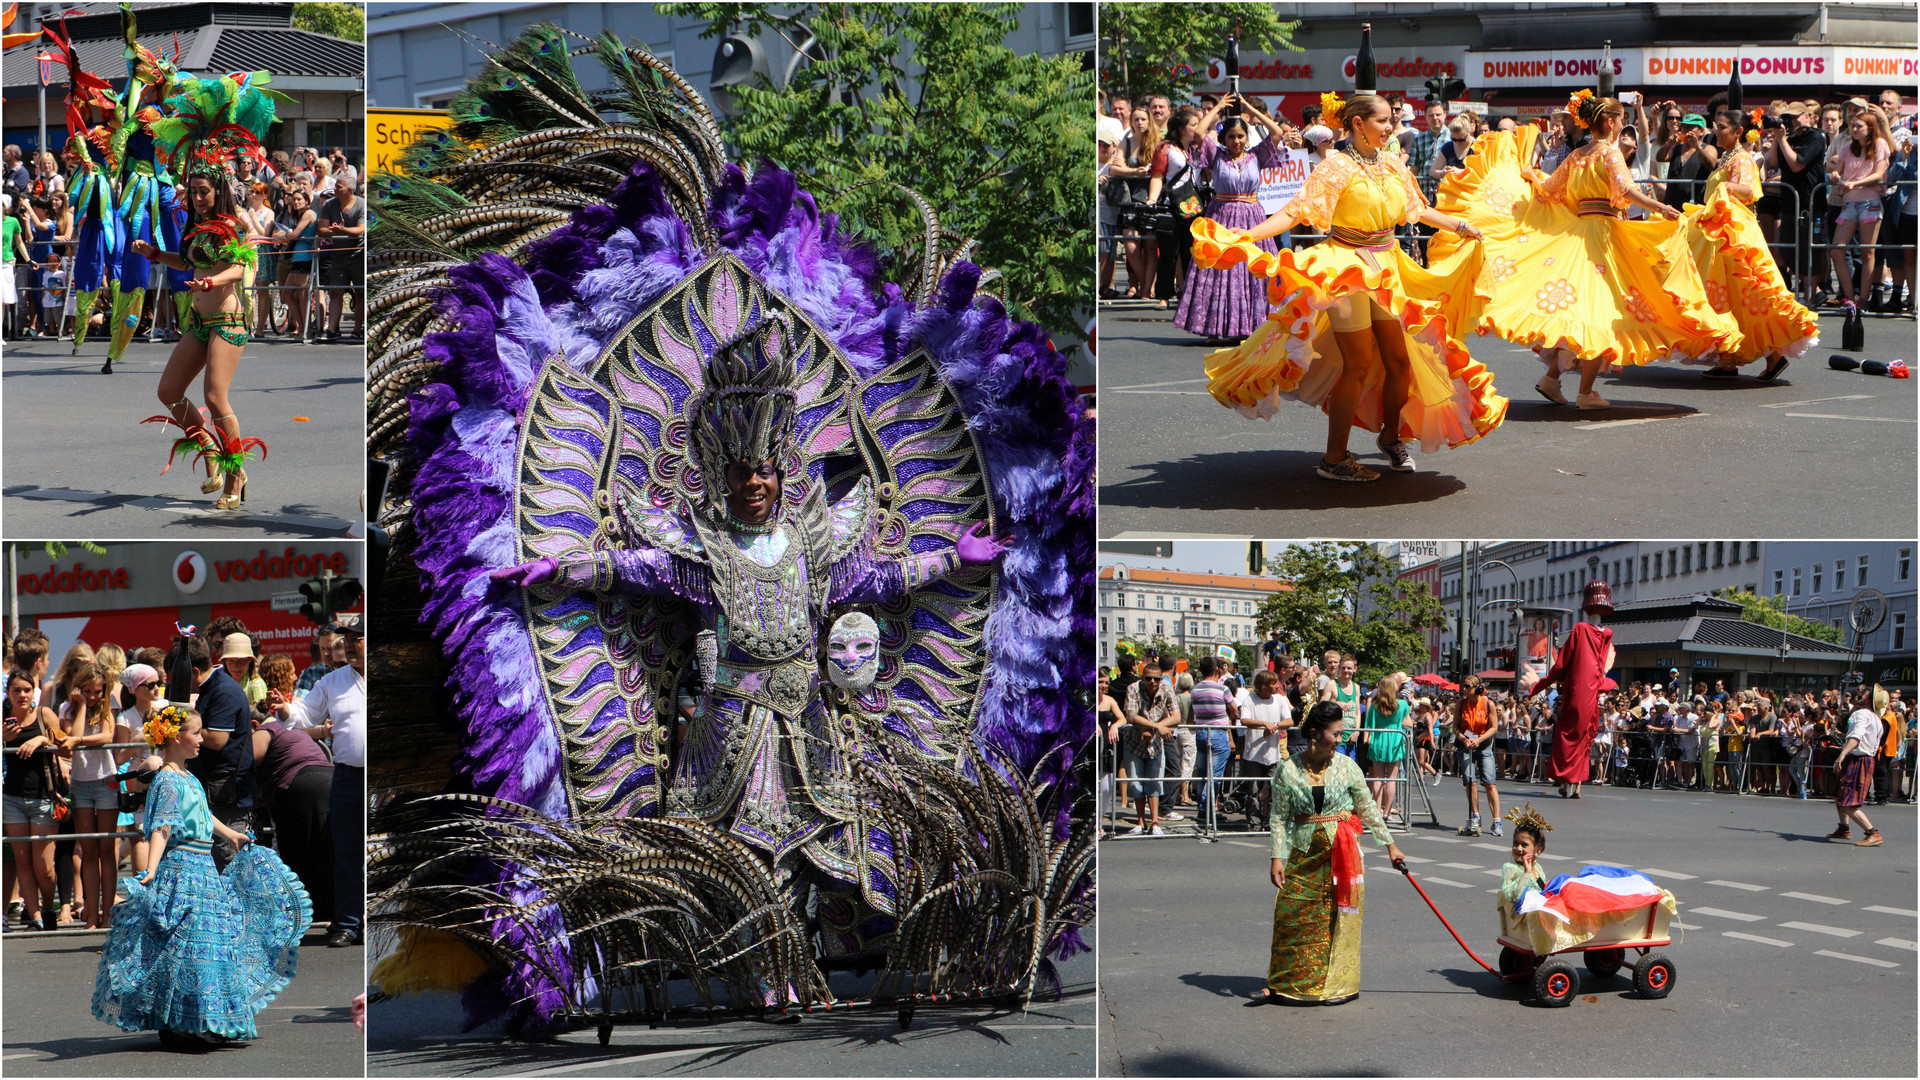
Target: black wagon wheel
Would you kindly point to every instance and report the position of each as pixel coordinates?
(1653, 978)
(1555, 982)
(1605, 962)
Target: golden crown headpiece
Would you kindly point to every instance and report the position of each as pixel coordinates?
(1526, 817)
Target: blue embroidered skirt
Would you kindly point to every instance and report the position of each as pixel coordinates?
(201, 952)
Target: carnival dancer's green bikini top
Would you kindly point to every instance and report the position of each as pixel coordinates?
(216, 242)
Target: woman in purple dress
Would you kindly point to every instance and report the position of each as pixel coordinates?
(1226, 305)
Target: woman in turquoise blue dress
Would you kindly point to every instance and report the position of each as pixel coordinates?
(195, 954)
(1384, 728)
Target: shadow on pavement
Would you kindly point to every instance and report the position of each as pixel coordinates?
(1270, 480)
(1190, 1063)
(1237, 987)
(1540, 410)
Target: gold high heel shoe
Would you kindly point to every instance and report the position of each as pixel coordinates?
(214, 483)
(232, 500)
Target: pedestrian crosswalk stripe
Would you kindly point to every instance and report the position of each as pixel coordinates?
(1415, 859)
(1460, 865)
(1739, 885)
(1856, 959)
(1756, 937)
(1894, 942)
(1685, 925)
(1668, 874)
(1444, 881)
(1833, 931)
(1909, 913)
(1740, 915)
(1495, 873)
(1495, 847)
(1814, 897)
(1441, 839)
(1555, 858)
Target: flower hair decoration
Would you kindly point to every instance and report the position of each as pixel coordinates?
(164, 724)
(1526, 817)
(1574, 104)
(1330, 103)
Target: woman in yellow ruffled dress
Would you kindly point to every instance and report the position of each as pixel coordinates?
(1359, 328)
(1741, 279)
(1562, 268)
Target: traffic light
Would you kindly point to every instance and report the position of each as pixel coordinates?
(346, 594)
(1445, 88)
(318, 595)
(1256, 557)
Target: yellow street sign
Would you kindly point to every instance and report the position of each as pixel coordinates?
(391, 131)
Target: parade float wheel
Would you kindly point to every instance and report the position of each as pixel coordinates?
(1555, 982)
(1654, 977)
(1513, 963)
(1605, 962)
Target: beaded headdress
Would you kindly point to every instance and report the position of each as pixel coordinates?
(746, 412)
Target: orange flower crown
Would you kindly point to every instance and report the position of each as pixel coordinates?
(1330, 104)
(164, 724)
(1574, 102)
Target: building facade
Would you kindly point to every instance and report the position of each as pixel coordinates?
(1820, 580)
(134, 593)
(1516, 60)
(1184, 609)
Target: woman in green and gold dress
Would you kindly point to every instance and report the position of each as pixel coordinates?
(1320, 804)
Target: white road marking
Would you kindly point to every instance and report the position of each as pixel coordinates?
(1840, 416)
(1909, 913)
(1158, 535)
(603, 1063)
(1462, 866)
(1855, 959)
(1814, 897)
(1740, 915)
(1190, 382)
(1685, 925)
(1596, 425)
(1816, 401)
(1415, 859)
(1833, 931)
(1756, 937)
(1179, 393)
(1668, 874)
(1243, 843)
(1495, 873)
(1495, 847)
(1896, 943)
(1442, 839)
(1555, 858)
(1444, 881)
(1739, 885)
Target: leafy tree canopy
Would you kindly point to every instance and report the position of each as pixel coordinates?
(345, 21)
(1772, 611)
(1164, 48)
(1332, 582)
(929, 96)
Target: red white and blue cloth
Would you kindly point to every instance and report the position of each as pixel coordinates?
(1593, 890)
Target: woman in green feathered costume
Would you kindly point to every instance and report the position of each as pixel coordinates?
(209, 124)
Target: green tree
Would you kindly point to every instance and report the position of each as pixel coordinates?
(1332, 583)
(345, 21)
(929, 96)
(1147, 47)
(1772, 611)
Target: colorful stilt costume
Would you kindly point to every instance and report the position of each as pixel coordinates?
(90, 109)
(1296, 354)
(146, 209)
(577, 332)
(194, 951)
(1578, 670)
(1563, 266)
(1738, 270)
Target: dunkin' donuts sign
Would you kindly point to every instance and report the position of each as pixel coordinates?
(1760, 65)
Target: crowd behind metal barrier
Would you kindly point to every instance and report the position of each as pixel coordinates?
(1745, 743)
(1799, 220)
(304, 280)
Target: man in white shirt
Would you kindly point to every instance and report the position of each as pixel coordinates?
(1864, 732)
(1268, 716)
(338, 704)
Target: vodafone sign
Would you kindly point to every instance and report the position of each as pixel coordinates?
(189, 572)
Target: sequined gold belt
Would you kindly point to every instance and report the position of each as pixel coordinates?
(1597, 208)
(1237, 198)
(1320, 819)
(1376, 240)
(787, 685)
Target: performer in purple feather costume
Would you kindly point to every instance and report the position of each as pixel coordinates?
(1230, 302)
(636, 397)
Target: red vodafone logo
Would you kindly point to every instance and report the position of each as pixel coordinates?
(189, 572)
(1350, 67)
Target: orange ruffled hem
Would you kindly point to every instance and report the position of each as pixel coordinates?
(1472, 193)
(1295, 354)
(1770, 319)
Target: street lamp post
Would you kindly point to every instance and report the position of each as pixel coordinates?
(1786, 609)
(1502, 564)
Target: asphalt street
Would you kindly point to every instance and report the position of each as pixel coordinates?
(1795, 954)
(1819, 453)
(420, 1035)
(78, 462)
(49, 1031)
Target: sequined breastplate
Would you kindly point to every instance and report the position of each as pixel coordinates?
(764, 610)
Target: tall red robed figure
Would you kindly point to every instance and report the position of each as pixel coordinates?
(1579, 670)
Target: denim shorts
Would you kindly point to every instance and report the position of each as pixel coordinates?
(24, 811)
(1476, 766)
(1143, 774)
(100, 794)
(1860, 212)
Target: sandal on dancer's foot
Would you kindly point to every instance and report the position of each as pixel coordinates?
(1549, 388)
(1591, 402)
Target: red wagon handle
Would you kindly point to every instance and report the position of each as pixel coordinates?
(1401, 865)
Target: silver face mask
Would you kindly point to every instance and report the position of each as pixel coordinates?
(853, 651)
